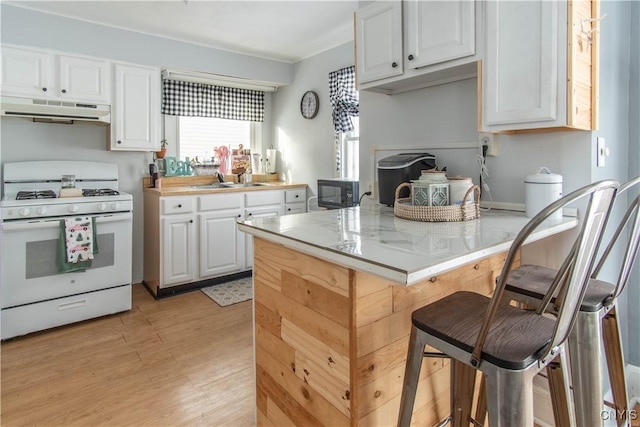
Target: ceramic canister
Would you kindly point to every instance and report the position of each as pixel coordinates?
(458, 187)
(541, 189)
(432, 189)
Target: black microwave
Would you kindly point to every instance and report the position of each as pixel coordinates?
(337, 193)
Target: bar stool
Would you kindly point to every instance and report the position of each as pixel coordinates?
(509, 345)
(596, 322)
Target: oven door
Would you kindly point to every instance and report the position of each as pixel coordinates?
(29, 260)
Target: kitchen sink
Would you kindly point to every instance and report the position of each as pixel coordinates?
(229, 185)
(246, 184)
(211, 186)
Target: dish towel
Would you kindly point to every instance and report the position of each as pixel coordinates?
(77, 244)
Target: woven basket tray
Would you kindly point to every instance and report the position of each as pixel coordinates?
(404, 208)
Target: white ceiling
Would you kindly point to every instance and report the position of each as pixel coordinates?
(283, 30)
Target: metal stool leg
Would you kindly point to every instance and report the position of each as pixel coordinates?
(411, 376)
(615, 364)
(586, 360)
(510, 397)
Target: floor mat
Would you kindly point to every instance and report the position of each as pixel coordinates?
(233, 292)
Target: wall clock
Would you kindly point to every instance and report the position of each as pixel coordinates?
(309, 104)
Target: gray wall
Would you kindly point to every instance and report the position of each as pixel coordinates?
(22, 140)
(305, 147)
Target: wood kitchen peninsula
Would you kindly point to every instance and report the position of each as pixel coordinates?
(333, 296)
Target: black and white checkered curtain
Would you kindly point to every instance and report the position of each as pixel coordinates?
(202, 100)
(344, 98)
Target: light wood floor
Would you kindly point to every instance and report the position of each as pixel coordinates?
(178, 361)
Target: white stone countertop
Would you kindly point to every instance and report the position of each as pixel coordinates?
(373, 239)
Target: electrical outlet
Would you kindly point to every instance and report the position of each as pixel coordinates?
(602, 152)
(490, 140)
(370, 188)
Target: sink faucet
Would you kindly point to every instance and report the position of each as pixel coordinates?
(220, 177)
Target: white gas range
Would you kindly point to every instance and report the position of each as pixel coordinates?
(40, 288)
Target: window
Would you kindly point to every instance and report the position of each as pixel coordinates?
(349, 154)
(345, 104)
(197, 136)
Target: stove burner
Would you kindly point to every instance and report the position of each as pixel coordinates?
(87, 192)
(46, 194)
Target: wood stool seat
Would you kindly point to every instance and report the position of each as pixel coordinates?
(533, 281)
(517, 338)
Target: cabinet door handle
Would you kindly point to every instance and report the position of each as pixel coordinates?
(297, 195)
(64, 91)
(179, 206)
(190, 221)
(250, 214)
(289, 209)
(239, 216)
(410, 57)
(394, 64)
(119, 142)
(44, 89)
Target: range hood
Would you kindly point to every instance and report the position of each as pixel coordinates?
(51, 111)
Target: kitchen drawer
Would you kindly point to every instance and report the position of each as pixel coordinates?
(294, 196)
(29, 318)
(176, 205)
(295, 208)
(219, 202)
(261, 198)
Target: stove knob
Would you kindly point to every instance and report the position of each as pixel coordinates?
(42, 210)
(74, 208)
(25, 211)
(115, 205)
(102, 206)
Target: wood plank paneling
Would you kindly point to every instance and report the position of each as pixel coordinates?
(348, 337)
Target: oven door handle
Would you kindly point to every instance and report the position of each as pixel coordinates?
(50, 223)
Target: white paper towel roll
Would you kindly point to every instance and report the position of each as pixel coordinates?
(271, 158)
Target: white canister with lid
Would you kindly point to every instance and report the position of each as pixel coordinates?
(458, 187)
(541, 189)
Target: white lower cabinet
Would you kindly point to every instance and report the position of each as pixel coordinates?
(193, 238)
(178, 249)
(295, 201)
(222, 246)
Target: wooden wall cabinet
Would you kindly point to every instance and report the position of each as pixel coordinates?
(406, 45)
(540, 67)
(44, 74)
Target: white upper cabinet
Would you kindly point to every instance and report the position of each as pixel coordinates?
(83, 79)
(379, 41)
(46, 75)
(539, 71)
(136, 108)
(406, 45)
(439, 31)
(25, 72)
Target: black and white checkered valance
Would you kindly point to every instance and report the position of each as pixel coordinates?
(344, 98)
(180, 98)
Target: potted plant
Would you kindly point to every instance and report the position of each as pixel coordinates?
(163, 149)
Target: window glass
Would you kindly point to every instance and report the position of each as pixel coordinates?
(199, 135)
(350, 152)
